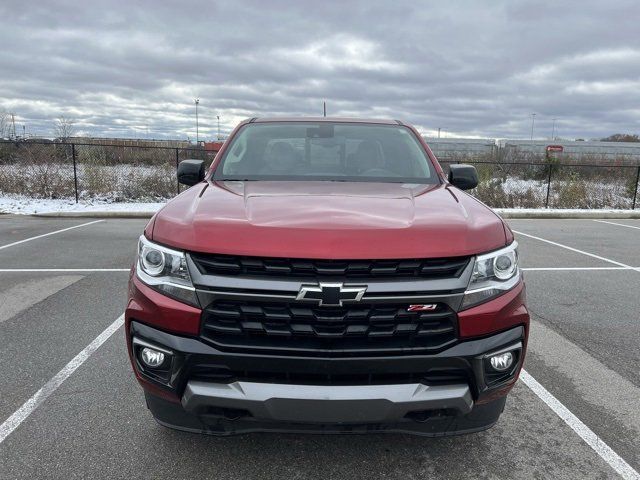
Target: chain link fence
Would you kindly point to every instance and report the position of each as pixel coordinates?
(128, 173)
(108, 172)
(555, 185)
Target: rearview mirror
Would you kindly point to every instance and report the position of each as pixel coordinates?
(190, 172)
(465, 177)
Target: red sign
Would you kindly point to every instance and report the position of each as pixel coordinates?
(555, 148)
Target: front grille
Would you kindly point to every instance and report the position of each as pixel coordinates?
(217, 373)
(210, 264)
(290, 328)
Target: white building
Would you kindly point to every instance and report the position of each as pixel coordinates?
(575, 149)
(460, 147)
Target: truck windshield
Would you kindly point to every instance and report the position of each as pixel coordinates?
(359, 152)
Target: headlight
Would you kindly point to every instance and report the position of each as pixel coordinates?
(493, 274)
(165, 270)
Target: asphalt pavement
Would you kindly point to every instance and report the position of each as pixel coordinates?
(63, 282)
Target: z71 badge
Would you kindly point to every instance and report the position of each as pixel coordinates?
(422, 308)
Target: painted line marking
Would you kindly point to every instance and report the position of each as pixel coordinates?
(28, 407)
(618, 224)
(605, 452)
(593, 255)
(24, 295)
(63, 270)
(47, 234)
(90, 270)
(578, 269)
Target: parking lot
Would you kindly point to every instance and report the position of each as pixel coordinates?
(70, 407)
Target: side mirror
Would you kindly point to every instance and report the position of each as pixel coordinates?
(190, 172)
(465, 177)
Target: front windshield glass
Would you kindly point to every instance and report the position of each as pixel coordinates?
(326, 151)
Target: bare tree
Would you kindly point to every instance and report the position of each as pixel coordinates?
(64, 128)
(621, 137)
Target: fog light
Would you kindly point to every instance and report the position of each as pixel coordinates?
(152, 358)
(502, 361)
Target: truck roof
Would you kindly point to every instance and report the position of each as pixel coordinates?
(382, 121)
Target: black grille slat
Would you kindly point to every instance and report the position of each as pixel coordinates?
(221, 264)
(224, 329)
(212, 264)
(289, 328)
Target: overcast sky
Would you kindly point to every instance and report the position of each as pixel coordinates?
(472, 68)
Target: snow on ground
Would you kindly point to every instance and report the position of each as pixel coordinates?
(24, 205)
(29, 206)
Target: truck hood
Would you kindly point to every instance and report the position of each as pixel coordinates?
(331, 220)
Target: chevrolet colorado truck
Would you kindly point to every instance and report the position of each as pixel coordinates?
(325, 275)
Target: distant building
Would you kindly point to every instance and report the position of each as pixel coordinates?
(574, 149)
(444, 148)
(131, 142)
(627, 153)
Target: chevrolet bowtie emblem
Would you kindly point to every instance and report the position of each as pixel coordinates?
(330, 294)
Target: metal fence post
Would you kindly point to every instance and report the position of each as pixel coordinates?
(546, 203)
(177, 162)
(635, 193)
(75, 170)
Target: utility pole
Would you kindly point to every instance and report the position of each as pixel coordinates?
(197, 101)
(438, 132)
(553, 129)
(13, 122)
(533, 119)
(218, 117)
(324, 108)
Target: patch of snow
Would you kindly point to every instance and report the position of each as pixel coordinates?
(21, 204)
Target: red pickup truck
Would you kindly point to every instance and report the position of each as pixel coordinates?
(325, 275)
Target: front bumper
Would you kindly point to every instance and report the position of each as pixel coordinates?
(231, 422)
(469, 400)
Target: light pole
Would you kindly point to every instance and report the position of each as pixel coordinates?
(197, 101)
(533, 120)
(218, 117)
(553, 129)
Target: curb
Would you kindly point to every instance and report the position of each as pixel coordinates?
(96, 214)
(504, 213)
(587, 214)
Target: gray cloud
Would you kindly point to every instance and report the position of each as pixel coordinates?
(134, 68)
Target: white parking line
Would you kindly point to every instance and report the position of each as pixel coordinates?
(593, 255)
(570, 269)
(47, 234)
(28, 407)
(57, 270)
(594, 441)
(618, 224)
(90, 270)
